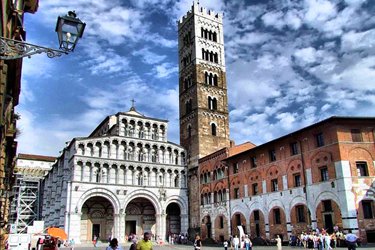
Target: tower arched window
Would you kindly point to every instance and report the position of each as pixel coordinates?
(211, 56)
(209, 103)
(202, 32)
(213, 129)
(206, 78)
(203, 54)
(215, 80)
(211, 79)
(189, 131)
(216, 58)
(214, 103)
(215, 37)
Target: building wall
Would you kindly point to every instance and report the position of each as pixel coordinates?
(343, 189)
(10, 84)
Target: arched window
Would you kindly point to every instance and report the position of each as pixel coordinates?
(188, 106)
(210, 35)
(215, 37)
(206, 78)
(211, 79)
(216, 58)
(211, 56)
(189, 131)
(209, 103)
(205, 34)
(214, 103)
(140, 179)
(203, 54)
(176, 181)
(185, 84)
(213, 129)
(215, 80)
(202, 32)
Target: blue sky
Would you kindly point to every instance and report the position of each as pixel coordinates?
(290, 63)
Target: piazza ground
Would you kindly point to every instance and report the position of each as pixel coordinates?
(190, 247)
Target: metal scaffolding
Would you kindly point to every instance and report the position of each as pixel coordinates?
(25, 204)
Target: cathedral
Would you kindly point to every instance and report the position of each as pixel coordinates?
(124, 178)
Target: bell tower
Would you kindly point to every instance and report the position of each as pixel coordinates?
(204, 123)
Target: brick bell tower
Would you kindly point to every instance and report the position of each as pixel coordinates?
(204, 123)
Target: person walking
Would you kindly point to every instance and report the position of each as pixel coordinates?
(247, 243)
(133, 246)
(278, 242)
(236, 242)
(72, 243)
(225, 245)
(197, 243)
(113, 245)
(95, 240)
(145, 243)
(351, 240)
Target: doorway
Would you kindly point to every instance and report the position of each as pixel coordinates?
(328, 223)
(130, 227)
(95, 230)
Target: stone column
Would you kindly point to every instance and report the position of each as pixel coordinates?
(73, 226)
(288, 222)
(184, 223)
(159, 226)
(267, 225)
(121, 227)
(347, 198)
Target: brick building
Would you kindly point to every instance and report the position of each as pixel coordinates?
(317, 177)
(12, 13)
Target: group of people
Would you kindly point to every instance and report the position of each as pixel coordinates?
(178, 238)
(322, 240)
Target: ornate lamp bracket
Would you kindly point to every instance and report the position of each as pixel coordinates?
(12, 49)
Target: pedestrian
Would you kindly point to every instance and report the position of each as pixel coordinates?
(133, 246)
(231, 242)
(113, 245)
(247, 242)
(236, 242)
(72, 243)
(145, 243)
(351, 240)
(197, 243)
(278, 242)
(95, 240)
(225, 245)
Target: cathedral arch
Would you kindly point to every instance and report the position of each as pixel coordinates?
(144, 194)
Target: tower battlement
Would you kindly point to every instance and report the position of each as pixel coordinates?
(201, 11)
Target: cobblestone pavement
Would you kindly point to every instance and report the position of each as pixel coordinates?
(189, 247)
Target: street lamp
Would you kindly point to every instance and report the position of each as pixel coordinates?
(69, 29)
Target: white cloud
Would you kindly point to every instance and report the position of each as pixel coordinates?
(358, 40)
(148, 56)
(165, 70)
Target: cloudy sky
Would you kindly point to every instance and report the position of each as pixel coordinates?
(290, 63)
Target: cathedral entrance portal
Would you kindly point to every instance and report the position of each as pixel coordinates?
(96, 219)
(173, 220)
(140, 217)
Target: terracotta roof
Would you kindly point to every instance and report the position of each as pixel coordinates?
(240, 148)
(36, 157)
